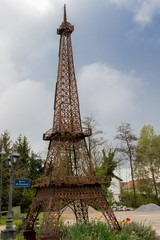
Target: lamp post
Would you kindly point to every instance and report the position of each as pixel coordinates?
(9, 232)
(2, 153)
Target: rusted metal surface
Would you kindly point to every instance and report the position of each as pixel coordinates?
(53, 134)
(29, 234)
(55, 237)
(69, 178)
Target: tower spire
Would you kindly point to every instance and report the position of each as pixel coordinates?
(65, 26)
(65, 15)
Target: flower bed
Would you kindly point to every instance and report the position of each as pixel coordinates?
(99, 230)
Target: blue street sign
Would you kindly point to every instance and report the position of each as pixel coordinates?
(22, 182)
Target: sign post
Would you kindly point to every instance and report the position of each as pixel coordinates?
(22, 183)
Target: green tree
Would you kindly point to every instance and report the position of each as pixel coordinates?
(21, 171)
(108, 164)
(5, 139)
(106, 168)
(127, 148)
(35, 166)
(29, 167)
(23, 148)
(148, 156)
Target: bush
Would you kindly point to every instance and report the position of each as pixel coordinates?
(127, 198)
(19, 226)
(19, 238)
(140, 231)
(101, 231)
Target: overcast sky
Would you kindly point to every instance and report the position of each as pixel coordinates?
(116, 47)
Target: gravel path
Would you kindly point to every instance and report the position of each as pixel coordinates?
(2, 228)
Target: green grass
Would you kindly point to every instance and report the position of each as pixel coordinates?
(3, 219)
(18, 224)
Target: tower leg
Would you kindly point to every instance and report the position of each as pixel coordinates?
(100, 202)
(38, 205)
(80, 209)
(51, 217)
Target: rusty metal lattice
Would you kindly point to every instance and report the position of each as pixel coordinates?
(69, 178)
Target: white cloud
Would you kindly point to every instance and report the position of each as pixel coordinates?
(143, 10)
(146, 12)
(111, 97)
(25, 108)
(38, 5)
(121, 2)
(8, 75)
(108, 92)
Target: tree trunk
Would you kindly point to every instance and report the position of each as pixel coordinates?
(154, 183)
(134, 188)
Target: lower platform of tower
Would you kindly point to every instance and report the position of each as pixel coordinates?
(53, 200)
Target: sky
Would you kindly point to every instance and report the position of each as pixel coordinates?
(116, 49)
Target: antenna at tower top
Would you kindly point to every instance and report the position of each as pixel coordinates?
(65, 26)
(65, 15)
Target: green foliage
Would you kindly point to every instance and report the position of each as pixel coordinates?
(148, 159)
(3, 220)
(19, 237)
(35, 166)
(94, 230)
(19, 226)
(108, 165)
(6, 140)
(101, 231)
(15, 222)
(139, 231)
(127, 148)
(23, 148)
(107, 168)
(127, 198)
(30, 166)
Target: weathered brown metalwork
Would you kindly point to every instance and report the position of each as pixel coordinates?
(69, 178)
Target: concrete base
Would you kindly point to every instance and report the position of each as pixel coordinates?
(8, 234)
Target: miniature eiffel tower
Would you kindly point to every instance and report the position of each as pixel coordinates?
(69, 178)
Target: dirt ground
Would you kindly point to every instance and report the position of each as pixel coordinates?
(148, 218)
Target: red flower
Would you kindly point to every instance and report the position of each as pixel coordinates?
(68, 222)
(128, 219)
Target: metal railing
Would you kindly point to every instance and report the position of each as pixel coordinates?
(51, 180)
(85, 132)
